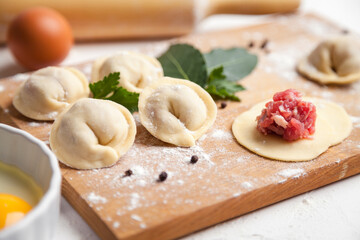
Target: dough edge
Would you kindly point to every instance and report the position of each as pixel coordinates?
(310, 72)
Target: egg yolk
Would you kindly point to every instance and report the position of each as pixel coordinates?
(12, 209)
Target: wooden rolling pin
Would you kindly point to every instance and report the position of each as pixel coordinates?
(115, 19)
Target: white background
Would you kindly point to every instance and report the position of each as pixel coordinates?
(331, 212)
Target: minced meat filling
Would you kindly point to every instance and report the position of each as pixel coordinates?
(288, 116)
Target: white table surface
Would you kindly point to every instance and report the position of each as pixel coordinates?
(331, 212)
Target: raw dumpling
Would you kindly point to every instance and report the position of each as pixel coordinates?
(335, 60)
(49, 91)
(92, 133)
(332, 126)
(176, 111)
(136, 70)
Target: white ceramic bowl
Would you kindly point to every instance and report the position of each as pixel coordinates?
(32, 156)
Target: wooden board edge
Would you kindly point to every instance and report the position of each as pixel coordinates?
(85, 211)
(243, 204)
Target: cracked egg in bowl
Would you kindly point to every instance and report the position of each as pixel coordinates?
(29, 186)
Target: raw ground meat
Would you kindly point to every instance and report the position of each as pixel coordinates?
(288, 116)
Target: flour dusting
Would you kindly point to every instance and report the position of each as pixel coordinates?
(296, 172)
(136, 217)
(20, 77)
(95, 199)
(247, 185)
(221, 134)
(116, 224)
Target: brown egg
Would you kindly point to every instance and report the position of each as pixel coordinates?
(39, 37)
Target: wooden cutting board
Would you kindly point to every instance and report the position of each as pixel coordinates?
(228, 180)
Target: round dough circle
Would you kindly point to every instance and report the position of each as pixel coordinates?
(335, 60)
(92, 133)
(176, 111)
(332, 126)
(49, 91)
(136, 70)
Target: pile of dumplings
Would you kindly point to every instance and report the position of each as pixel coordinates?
(92, 133)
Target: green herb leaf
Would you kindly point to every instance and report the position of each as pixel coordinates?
(127, 99)
(109, 85)
(103, 88)
(237, 62)
(221, 93)
(220, 88)
(185, 62)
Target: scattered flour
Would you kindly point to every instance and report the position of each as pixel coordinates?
(136, 217)
(356, 121)
(116, 224)
(247, 185)
(95, 199)
(134, 201)
(236, 194)
(291, 172)
(2, 88)
(35, 124)
(20, 77)
(138, 170)
(221, 134)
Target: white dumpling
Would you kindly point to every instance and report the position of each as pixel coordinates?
(136, 70)
(335, 60)
(49, 91)
(176, 111)
(92, 133)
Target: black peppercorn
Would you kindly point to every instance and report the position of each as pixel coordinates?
(194, 159)
(345, 31)
(128, 173)
(264, 44)
(163, 176)
(251, 44)
(223, 105)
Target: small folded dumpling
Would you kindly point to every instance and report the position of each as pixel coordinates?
(335, 60)
(176, 111)
(136, 70)
(92, 133)
(49, 91)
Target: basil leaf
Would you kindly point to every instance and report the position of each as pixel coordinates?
(127, 99)
(237, 62)
(104, 87)
(185, 62)
(109, 84)
(221, 88)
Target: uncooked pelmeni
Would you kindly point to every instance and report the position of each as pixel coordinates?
(335, 60)
(176, 111)
(332, 126)
(136, 70)
(49, 91)
(92, 133)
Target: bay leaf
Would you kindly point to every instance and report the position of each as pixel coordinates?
(237, 62)
(185, 62)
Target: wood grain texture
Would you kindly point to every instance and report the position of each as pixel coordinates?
(228, 180)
